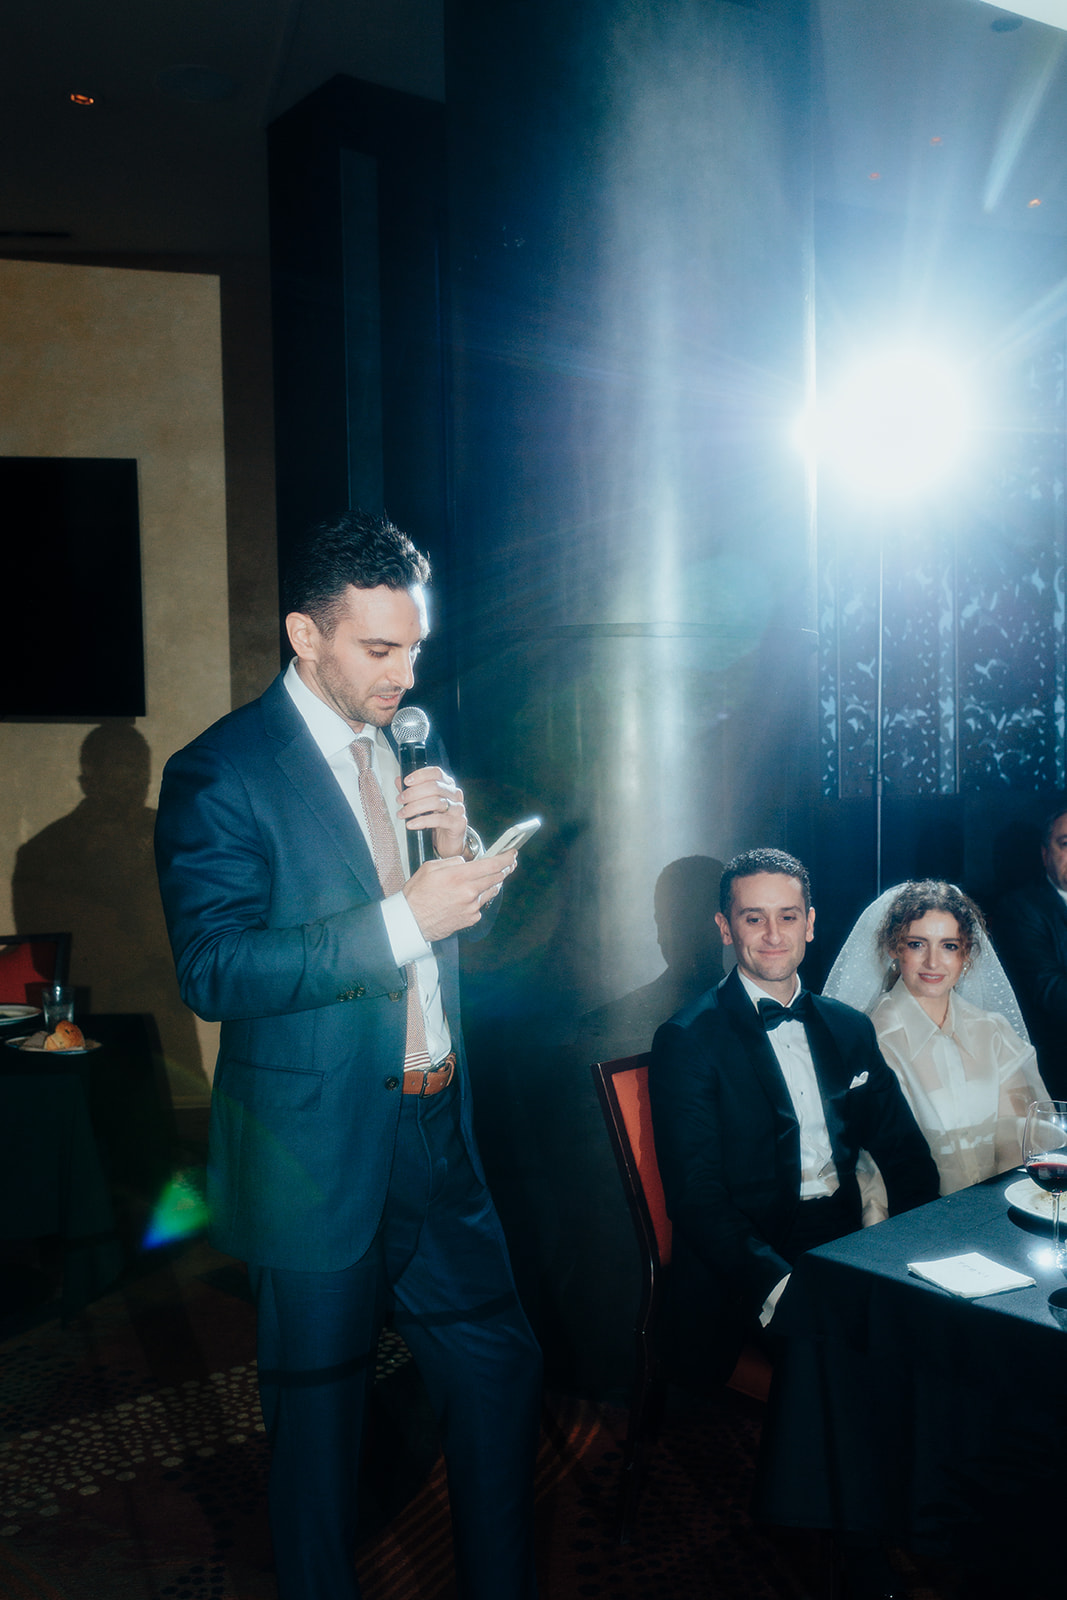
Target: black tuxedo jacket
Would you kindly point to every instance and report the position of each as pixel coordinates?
(273, 906)
(1031, 936)
(728, 1142)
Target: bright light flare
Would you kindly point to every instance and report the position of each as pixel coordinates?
(894, 426)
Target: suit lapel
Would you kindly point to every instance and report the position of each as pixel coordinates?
(758, 1052)
(832, 1073)
(1057, 909)
(305, 767)
(829, 1063)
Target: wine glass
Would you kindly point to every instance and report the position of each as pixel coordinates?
(1045, 1155)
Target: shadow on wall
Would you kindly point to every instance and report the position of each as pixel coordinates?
(686, 900)
(92, 874)
(557, 1185)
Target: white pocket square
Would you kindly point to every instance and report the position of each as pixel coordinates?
(859, 1080)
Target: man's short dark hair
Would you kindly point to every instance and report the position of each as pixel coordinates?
(1050, 823)
(749, 862)
(356, 548)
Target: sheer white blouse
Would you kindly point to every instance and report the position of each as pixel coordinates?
(968, 1082)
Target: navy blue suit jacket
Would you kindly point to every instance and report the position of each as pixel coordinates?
(1031, 938)
(728, 1142)
(273, 907)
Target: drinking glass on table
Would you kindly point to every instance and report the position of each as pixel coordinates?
(57, 1003)
(1045, 1156)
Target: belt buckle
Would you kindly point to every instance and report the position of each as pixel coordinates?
(446, 1068)
(448, 1064)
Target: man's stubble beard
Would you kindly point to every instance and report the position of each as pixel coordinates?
(335, 690)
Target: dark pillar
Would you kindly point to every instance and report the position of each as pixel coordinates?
(357, 198)
(623, 638)
(631, 595)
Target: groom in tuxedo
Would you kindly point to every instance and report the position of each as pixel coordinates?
(762, 1097)
(343, 1166)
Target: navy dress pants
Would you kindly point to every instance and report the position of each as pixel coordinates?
(440, 1260)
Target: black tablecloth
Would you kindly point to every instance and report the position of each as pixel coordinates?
(901, 1410)
(85, 1148)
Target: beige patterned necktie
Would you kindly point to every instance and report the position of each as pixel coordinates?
(386, 852)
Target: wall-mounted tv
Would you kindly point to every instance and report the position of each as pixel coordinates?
(72, 588)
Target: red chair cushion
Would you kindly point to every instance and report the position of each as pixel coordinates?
(22, 965)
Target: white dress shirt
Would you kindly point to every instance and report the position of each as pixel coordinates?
(789, 1041)
(333, 736)
(818, 1175)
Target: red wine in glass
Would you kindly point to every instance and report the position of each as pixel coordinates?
(1049, 1171)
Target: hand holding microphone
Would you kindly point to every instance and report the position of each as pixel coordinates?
(450, 894)
(431, 805)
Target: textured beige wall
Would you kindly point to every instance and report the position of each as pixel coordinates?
(102, 361)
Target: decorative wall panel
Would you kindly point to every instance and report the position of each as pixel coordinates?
(972, 620)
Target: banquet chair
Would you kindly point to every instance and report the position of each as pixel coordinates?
(30, 960)
(622, 1089)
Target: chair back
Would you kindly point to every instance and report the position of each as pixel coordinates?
(30, 960)
(622, 1087)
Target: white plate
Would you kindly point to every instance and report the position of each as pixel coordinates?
(1026, 1196)
(10, 1013)
(25, 1044)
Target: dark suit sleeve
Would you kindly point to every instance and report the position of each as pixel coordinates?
(691, 1127)
(882, 1122)
(243, 941)
(1031, 945)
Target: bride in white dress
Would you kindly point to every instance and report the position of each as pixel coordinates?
(920, 962)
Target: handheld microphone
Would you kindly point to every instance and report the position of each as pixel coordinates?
(410, 728)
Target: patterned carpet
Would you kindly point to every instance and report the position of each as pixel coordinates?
(133, 1467)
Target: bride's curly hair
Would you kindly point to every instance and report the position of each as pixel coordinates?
(913, 900)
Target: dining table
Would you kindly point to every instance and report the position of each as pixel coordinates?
(905, 1413)
(86, 1145)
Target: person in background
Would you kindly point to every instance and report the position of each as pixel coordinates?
(1031, 930)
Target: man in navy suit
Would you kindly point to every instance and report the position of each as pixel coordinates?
(1031, 936)
(343, 1166)
(763, 1096)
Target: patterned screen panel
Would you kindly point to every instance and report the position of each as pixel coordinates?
(972, 620)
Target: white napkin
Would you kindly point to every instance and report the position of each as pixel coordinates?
(971, 1276)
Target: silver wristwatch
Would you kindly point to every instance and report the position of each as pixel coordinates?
(472, 845)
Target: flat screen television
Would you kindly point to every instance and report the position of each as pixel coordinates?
(72, 585)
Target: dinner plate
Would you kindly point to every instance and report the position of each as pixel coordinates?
(25, 1043)
(12, 1013)
(1026, 1196)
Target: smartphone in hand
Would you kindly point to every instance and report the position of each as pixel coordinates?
(515, 837)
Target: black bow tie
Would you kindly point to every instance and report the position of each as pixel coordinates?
(771, 1013)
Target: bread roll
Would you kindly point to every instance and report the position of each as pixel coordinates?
(67, 1036)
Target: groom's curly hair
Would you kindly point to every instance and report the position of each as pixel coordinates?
(911, 903)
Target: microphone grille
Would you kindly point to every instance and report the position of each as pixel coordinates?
(410, 725)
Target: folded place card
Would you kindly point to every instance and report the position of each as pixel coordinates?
(972, 1275)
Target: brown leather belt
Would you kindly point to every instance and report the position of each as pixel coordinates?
(433, 1079)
